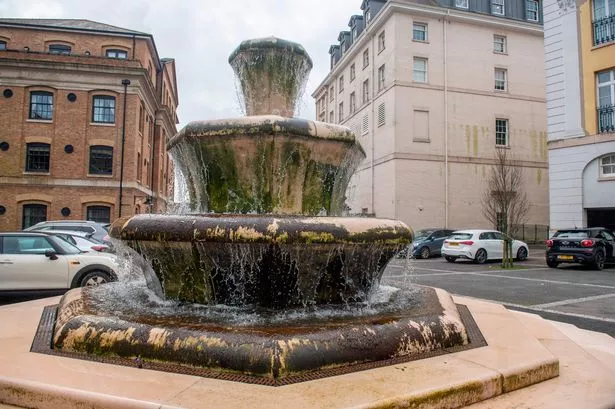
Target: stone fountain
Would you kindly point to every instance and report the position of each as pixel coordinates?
(262, 278)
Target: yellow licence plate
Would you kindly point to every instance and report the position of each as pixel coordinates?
(453, 244)
(565, 257)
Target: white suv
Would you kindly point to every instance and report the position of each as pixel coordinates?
(35, 261)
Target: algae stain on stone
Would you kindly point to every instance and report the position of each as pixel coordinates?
(475, 140)
(538, 176)
(534, 140)
(468, 141)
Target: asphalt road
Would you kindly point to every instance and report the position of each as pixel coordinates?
(572, 294)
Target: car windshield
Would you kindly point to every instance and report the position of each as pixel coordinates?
(460, 236)
(422, 234)
(572, 234)
(66, 247)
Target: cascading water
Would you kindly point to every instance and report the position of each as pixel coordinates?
(261, 276)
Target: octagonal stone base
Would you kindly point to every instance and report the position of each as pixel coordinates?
(92, 321)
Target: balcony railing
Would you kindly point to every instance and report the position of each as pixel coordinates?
(604, 30)
(606, 118)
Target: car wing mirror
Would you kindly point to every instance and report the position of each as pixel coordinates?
(50, 254)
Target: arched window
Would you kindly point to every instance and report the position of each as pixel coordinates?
(60, 49)
(32, 214)
(99, 214)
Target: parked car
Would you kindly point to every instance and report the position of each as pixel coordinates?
(480, 246)
(426, 243)
(35, 261)
(99, 231)
(83, 241)
(591, 247)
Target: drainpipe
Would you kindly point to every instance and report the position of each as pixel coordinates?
(445, 124)
(373, 103)
(125, 83)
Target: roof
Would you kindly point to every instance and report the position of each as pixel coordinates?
(69, 24)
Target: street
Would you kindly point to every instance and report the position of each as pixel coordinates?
(572, 294)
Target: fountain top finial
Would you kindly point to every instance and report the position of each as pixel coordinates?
(270, 42)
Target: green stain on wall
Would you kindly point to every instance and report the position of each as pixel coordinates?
(475, 139)
(468, 139)
(538, 176)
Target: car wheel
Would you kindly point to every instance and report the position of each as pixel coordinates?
(480, 257)
(552, 263)
(522, 254)
(599, 261)
(94, 278)
(450, 259)
(425, 253)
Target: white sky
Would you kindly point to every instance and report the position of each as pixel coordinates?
(201, 34)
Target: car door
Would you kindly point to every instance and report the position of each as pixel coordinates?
(609, 244)
(489, 243)
(25, 267)
(436, 244)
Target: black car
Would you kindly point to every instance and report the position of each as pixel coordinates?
(592, 246)
(426, 243)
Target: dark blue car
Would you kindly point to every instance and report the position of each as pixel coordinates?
(427, 243)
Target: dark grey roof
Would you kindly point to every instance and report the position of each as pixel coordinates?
(70, 24)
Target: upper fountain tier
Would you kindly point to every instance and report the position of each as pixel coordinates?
(272, 74)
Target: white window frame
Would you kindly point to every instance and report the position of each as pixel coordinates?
(340, 112)
(499, 40)
(607, 161)
(331, 93)
(498, 7)
(381, 77)
(353, 103)
(381, 42)
(462, 4)
(533, 11)
(341, 84)
(419, 28)
(499, 133)
(365, 58)
(609, 84)
(365, 91)
(498, 81)
(424, 72)
(353, 72)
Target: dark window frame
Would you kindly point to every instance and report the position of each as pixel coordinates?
(101, 112)
(41, 105)
(33, 219)
(3, 45)
(59, 49)
(36, 159)
(116, 53)
(92, 216)
(101, 160)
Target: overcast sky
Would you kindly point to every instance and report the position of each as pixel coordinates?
(200, 35)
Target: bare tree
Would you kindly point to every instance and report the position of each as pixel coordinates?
(504, 202)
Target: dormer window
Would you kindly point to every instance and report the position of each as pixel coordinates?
(355, 32)
(60, 49)
(497, 7)
(368, 17)
(119, 54)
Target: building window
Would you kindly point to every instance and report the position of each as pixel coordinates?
(497, 7)
(354, 33)
(99, 214)
(499, 44)
(419, 69)
(419, 32)
(603, 21)
(2, 45)
(139, 167)
(607, 166)
(353, 73)
(331, 92)
(381, 40)
(365, 58)
(59, 49)
(531, 10)
(463, 4)
(119, 54)
(101, 160)
(421, 126)
(341, 84)
(606, 101)
(381, 116)
(331, 117)
(364, 124)
(500, 79)
(365, 91)
(41, 105)
(501, 132)
(37, 157)
(340, 112)
(103, 109)
(32, 214)
(381, 78)
(353, 102)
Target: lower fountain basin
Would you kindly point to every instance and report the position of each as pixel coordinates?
(265, 260)
(262, 343)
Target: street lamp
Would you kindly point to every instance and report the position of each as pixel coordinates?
(125, 83)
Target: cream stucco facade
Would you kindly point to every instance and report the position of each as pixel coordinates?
(430, 144)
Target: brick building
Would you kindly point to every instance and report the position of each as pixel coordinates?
(76, 95)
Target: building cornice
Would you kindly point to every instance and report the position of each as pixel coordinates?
(430, 11)
(581, 141)
(86, 183)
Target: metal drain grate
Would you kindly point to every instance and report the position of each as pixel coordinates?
(42, 343)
